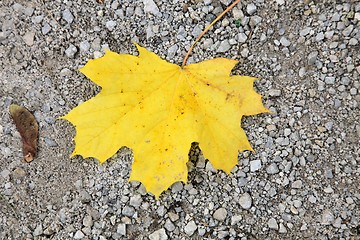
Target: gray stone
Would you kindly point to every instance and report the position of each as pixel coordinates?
(347, 31)
(172, 51)
(220, 214)
(121, 229)
(67, 16)
(312, 57)
(285, 42)
(136, 200)
(71, 51)
(275, 92)
(87, 221)
(241, 37)
(245, 201)
(327, 217)
(282, 228)
(190, 228)
(84, 46)
(224, 46)
(110, 25)
(45, 29)
(128, 211)
(158, 235)
(29, 38)
(79, 235)
(319, 37)
(255, 165)
(169, 225)
(330, 80)
(236, 219)
(272, 169)
(251, 9)
(297, 184)
(151, 7)
(38, 230)
(272, 224)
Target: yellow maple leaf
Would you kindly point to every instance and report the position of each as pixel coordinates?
(158, 109)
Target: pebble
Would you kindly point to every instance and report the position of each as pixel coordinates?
(251, 9)
(67, 16)
(190, 228)
(282, 228)
(172, 51)
(110, 25)
(79, 235)
(297, 184)
(241, 37)
(285, 42)
(38, 230)
(245, 201)
(272, 224)
(255, 165)
(272, 169)
(312, 57)
(158, 235)
(224, 46)
(274, 92)
(121, 229)
(136, 200)
(29, 38)
(327, 217)
(87, 221)
(151, 7)
(71, 51)
(84, 46)
(45, 29)
(220, 214)
(347, 31)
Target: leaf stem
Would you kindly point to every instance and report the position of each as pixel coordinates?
(207, 29)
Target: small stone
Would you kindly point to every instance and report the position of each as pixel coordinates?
(272, 169)
(272, 224)
(38, 230)
(135, 200)
(236, 219)
(190, 228)
(305, 31)
(220, 214)
(328, 190)
(347, 31)
(319, 37)
(45, 28)
(241, 37)
(245, 201)
(110, 25)
(85, 196)
(172, 51)
(329, 80)
(71, 51)
(67, 16)
(29, 38)
(224, 46)
(275, 92)
(84, 46)
(302, 72)
(255, 165)
(312, 57)
(121, 229)
(128, 211)
(169, 225)
(87, 221)
(327, 217)
(282, 228)
(285, 42)
(158, 235)
(280, 2)
(79, 235)
(251, 8)
(150, 7)
(297, 184)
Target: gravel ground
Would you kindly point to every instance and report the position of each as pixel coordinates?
(303, 182)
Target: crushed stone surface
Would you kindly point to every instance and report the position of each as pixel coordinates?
(303, 180)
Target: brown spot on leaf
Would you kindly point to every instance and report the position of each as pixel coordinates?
(28, 128)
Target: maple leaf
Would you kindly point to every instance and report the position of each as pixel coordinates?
(158, 109)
